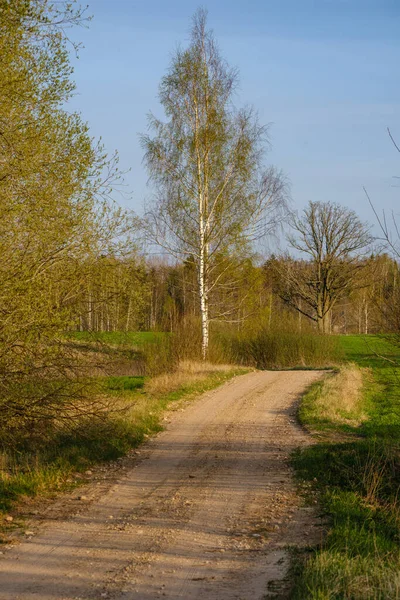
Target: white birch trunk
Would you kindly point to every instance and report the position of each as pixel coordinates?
(203, 287)
(366, 316)
(204, 320)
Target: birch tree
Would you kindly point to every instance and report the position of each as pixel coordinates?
(213, 195)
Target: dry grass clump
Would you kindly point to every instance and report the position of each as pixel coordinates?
(188, 373)
(340, 397)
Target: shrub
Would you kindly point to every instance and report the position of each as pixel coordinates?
(266, 349)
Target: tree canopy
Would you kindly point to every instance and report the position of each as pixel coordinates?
(55, 209)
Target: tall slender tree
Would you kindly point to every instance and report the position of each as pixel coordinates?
(214, 196)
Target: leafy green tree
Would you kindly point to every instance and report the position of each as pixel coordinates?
(55, 211)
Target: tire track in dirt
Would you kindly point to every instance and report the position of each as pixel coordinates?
(206, 512)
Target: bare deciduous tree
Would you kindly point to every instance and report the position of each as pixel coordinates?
(390, 239)
(334, 242)
(213, 195)
(390, 231)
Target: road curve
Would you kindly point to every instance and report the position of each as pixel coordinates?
(205, 512)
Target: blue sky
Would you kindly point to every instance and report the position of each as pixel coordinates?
(323, 73)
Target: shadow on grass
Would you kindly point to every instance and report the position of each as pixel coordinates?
(359, 483)
(352, 466)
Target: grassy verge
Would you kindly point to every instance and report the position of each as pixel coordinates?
(337, 403)
(356, 469)
(138, 406)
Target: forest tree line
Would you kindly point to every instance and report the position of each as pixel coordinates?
(133, 294)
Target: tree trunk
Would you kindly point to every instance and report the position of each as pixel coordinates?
(203, 307)
(203, 268)
(324, 323)
(128, 316)
(270, 312)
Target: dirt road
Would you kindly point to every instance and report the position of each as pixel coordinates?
(205, 510)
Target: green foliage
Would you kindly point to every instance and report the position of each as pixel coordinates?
(120, 384)
(55, 218)
(160, 356)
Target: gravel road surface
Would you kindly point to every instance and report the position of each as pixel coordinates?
(204, 510)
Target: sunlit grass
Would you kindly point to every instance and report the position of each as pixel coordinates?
(134, 338)
(337, 401)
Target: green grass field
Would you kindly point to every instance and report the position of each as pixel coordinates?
(382, 399)
(134, 338)
(357, 472)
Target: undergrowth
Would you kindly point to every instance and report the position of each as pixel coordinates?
(263, 347)
(253, 343)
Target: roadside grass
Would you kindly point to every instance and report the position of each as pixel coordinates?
(337, 403)
(356, 469)
(138, 407)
